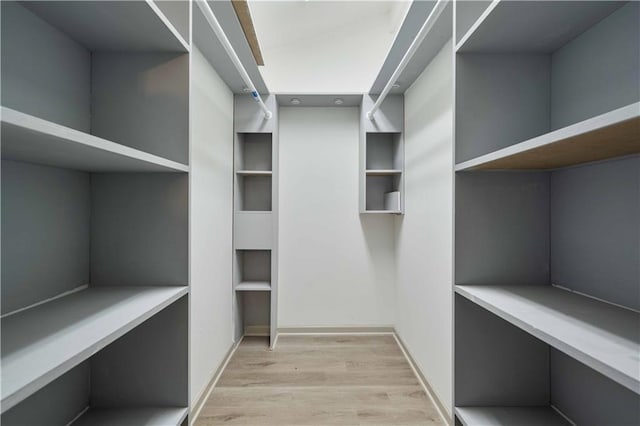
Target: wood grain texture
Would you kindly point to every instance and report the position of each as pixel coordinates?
(319, 380)
(241, 8)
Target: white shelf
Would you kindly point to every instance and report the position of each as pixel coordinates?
(32, 139)
(383, 211)
(43, 342)
(604, 337)
(254, 173)
(120, 26)
(380, 172)
(615, 133)
(253, 286)
(512, 26)
(147, 416)
(508, 416)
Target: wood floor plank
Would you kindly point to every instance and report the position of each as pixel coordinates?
(319, 380)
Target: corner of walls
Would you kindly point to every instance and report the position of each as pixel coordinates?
(424, 236)
(211, 218)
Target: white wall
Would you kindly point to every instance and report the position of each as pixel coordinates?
(337, 268)
(211, 222)
(425, 233)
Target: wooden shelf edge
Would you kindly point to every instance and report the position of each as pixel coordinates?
(628, 116)
(30, 123)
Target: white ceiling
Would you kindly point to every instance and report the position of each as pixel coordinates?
(320, 46)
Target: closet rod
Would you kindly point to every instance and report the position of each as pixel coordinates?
(217, 29)
(426, 27)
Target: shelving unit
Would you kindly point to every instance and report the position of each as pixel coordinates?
(546, 299)
(255, 219)
(382, 158)
(95, 149)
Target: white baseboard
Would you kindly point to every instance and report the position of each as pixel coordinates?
(424, 382)
(337, 330)
(197, 407)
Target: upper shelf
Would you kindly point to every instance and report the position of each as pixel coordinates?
(414, 19)
(254, 172)
(31, 139)
(605, 337)
(43, 342)
(532, 26)
(117, 26)
(383, 172)
(613, 134)
(149, 416)
(507, 416)
(253, 286)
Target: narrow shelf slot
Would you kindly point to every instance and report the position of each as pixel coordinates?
(30, 139)
(150, 416)
(122, 26)
(254, 173)
(507, 416)
(613, 134)
(42, 343)
(604, 337)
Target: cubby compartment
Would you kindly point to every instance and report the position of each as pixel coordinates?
(537, 99)
(254, 193)
(383, 193)
(254, 310)
(253, 270)
(254, 152)
(384, 152)
(117, 95)
(120, 383)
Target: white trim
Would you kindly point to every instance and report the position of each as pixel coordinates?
(204, 396)
(423, 382)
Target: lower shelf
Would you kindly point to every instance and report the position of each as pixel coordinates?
(148, 416)
(508, 416)
(253, 286)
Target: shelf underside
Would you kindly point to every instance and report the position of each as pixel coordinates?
(383, 172)
(116, 26)
(610, 135)
(517, 26)
(509, 416)
(253, 286)
(42, 343)
(600, 335)
(254, 173)
(157, 416)
(31, 139)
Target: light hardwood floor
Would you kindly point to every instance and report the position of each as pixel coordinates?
(319, 380)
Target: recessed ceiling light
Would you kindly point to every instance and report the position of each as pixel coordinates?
(338, 101)
(295, 101)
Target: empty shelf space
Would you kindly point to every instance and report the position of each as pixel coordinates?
(383, 211)
(31, 139)
(254, 173)
(43, 342)
(609, 135)
(383, 172)
(532, 26)
(600, 335)
(507, 416)
(121, 26)
(150, 416)
(253, 286)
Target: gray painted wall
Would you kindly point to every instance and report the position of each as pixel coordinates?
(502, 228)
(595, 230)
(45, 232)
(599, 70)
(139, 229)
(44, 72)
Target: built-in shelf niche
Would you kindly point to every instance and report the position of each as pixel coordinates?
(383, 180)
(255, 152)
(254, 269)
(254, 165)
(253, 291)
